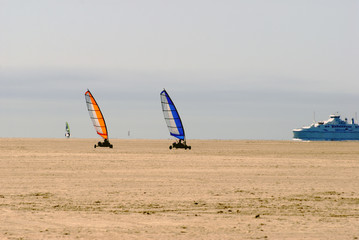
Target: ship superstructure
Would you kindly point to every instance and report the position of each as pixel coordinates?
(334, 129)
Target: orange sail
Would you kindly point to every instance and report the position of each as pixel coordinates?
(96, 115)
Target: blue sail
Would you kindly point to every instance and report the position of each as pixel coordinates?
(172, 117)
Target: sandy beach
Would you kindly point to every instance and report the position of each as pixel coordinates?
(66, 189)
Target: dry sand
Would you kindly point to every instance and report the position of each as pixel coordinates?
(66, 189)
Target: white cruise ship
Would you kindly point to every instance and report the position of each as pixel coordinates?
(334, 129)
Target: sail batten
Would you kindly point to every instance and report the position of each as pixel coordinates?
(96, 116)
(171, 116)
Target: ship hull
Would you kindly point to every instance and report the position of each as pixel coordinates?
(325, 136)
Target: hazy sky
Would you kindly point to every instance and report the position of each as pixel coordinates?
(236, 69)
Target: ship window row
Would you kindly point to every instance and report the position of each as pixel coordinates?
(338, 126)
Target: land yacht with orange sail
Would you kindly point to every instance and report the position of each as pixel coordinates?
(97, 119)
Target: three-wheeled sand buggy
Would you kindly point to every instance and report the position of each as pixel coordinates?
(180, 144)
(105, 143)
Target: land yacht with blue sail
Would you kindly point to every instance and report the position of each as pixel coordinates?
(333, 129)
(173, 121)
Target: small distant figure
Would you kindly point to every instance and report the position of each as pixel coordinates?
(129, 133)
(67, 129)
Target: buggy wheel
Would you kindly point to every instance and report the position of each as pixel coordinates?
(94, 146)
(111, 146)
(189, 147)
(170, 147)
